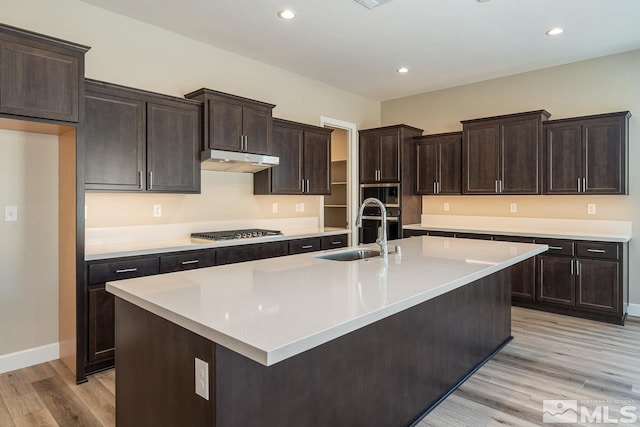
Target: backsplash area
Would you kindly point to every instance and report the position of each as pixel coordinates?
(225, 196)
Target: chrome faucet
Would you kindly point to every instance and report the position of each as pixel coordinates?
(382, 230)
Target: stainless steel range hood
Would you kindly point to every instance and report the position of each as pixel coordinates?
(230, 161)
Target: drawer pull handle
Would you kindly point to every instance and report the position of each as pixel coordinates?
(557, 248)
(193, 261)
(597, 251)
(307, 246)
(127, 270)
(336, 242)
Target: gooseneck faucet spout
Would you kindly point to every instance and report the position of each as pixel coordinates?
(382, 230)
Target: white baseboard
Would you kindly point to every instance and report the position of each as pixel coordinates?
(633, 310)
(32, 356)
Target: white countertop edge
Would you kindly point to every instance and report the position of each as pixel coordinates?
(622, 238)
(272, 356)
(213, 244)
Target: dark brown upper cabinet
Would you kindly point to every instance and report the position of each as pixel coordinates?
(381, 153)
(40, 77)
(234, 123)
(502, 155)
(587, 155)
(140, 141)
(305, 161)
(439, 163)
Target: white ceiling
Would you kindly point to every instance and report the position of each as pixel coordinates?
(444, 43)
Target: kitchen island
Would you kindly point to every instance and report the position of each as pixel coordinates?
(303, 340)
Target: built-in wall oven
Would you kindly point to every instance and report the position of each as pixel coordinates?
(389, 195)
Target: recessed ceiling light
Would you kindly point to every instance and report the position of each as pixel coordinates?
(403, 70)
(286, 14)
(555, 31)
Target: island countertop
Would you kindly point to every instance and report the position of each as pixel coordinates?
(272, 309)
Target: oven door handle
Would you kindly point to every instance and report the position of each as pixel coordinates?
(379, 218)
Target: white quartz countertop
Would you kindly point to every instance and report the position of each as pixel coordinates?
(272, 309)
(575, 229)
(109, 250)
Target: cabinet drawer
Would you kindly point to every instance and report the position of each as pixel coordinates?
(242, 253)
(516, 239)
(118, 270)
(410, 233)
(473, 236)
(598, 250)
(557, 247)
(442, 233)
(187, 261)
(304, 245)
(332, 242)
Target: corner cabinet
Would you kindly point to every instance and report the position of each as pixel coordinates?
(234, 123)
(502, 155)
(40, 77)
(140, 141)
(587, 155)
(439, 164)
(305, 161)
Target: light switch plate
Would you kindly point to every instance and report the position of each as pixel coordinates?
(202, 378)
(274, 208)
(11, 213)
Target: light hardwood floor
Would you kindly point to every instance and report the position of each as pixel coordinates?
(551, 357)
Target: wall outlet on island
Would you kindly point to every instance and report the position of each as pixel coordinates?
(591, 208)
(157, 211)
(445, 206)
(202, 378)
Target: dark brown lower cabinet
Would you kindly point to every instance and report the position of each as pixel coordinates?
(100, 324)
(574, 277)
(96, 332)
(556, 280)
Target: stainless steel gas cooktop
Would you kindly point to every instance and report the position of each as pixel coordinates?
(235, 234)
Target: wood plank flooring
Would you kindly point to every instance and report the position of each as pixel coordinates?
(551, 357)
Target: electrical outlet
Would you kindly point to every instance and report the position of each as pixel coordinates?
(157, 211)
(11, 213)
(202, 378)
(445, 207)
(301, 207)
(297, 207)
(591, 208)
(274, 207)
(513, 207)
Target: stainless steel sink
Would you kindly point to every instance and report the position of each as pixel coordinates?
(352, 255)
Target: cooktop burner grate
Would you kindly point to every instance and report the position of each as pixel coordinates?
(235, 234)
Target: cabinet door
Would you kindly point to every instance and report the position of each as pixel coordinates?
(115, 146)
(38, 83)
(389, 157)
(286, 178)
(523, 277)
(242, 253)
(481, 157)
(256, 127)
(225, 125)
(556, 280)
(427, 167)
(598, 284)
(173, 148)
(317, 162)
(450, 165)
(369, 157)
(519, 154)
(563, 148)
(101, 327)
(604, 156)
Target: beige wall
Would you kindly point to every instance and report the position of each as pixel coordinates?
(29, 247)
(601, 85)
(131, 53)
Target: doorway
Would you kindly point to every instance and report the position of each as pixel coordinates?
(339, 208)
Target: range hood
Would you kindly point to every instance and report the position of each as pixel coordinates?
(230, 161)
